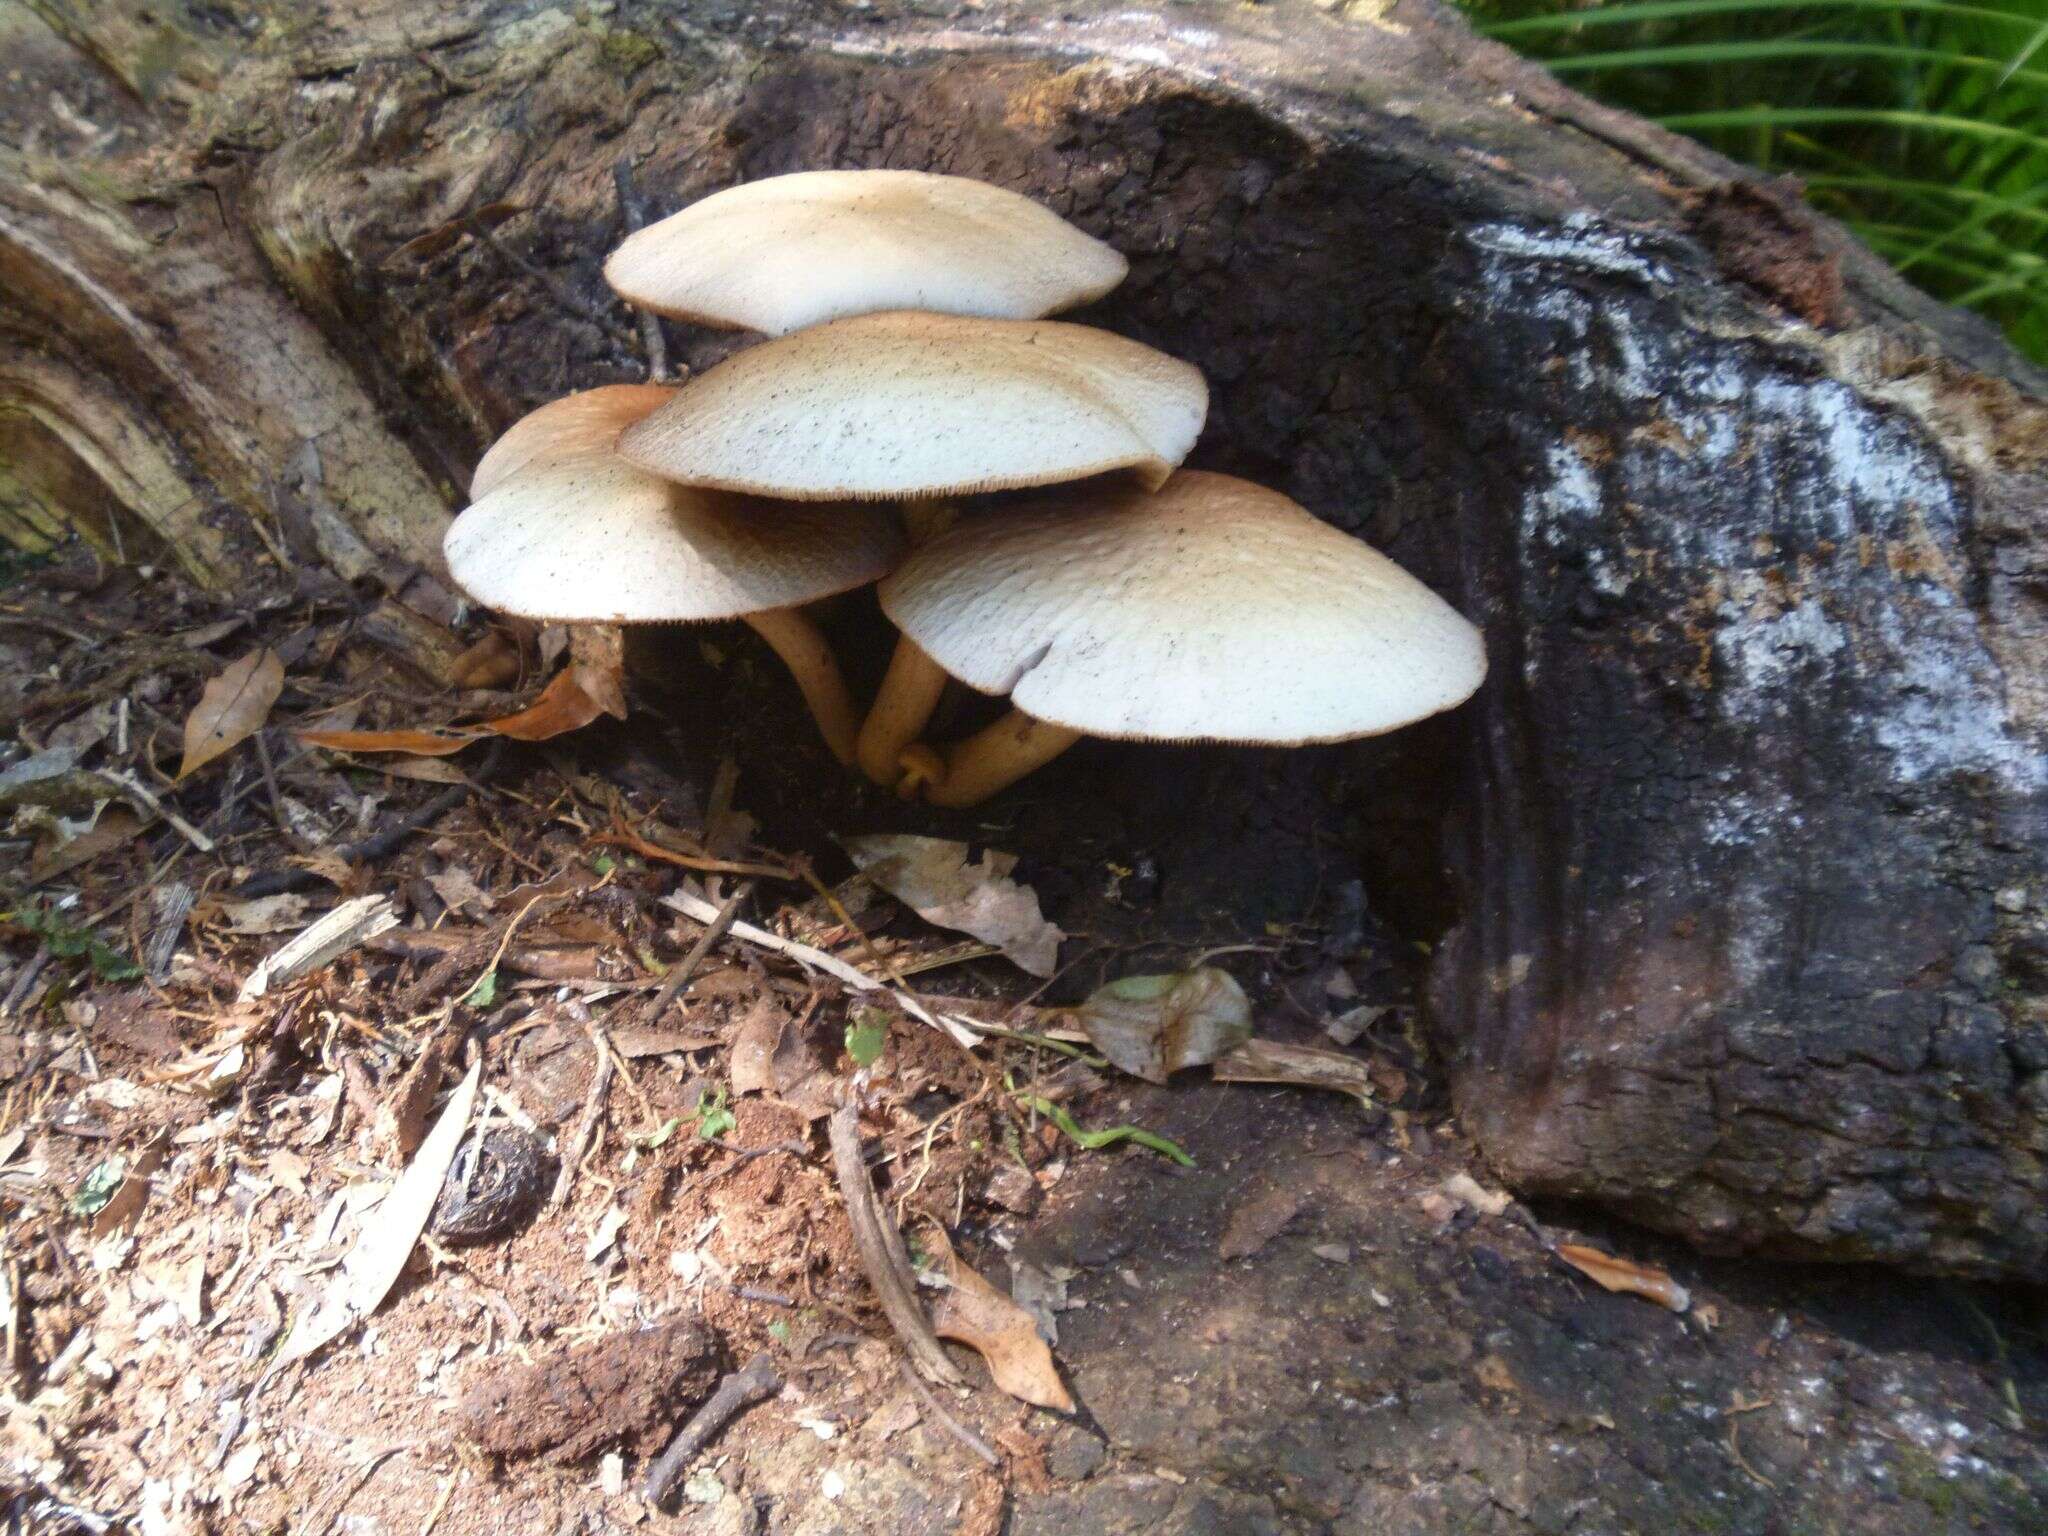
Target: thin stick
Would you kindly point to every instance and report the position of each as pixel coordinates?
(632, 215)
(881, 1252)
(960, 1031)
(277, 815)
(959, 1431)
(579, 1144)
(679, 978)
(30, 970)
(622, 836)
(147, 796)
(739, 1391)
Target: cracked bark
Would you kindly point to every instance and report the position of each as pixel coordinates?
(1745, 833)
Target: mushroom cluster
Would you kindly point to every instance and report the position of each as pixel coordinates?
(910, 366)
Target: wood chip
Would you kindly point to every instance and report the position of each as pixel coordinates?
(388, 1234)
(335, 934)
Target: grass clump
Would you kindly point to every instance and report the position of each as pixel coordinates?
(1922, 124)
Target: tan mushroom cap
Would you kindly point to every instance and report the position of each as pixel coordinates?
(792, 251)
(591, 418)
(912, 404)
(565, 530)
(1212, 610)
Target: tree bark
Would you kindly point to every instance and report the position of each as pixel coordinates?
(1746, 830)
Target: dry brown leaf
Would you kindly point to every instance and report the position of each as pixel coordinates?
(753, 1047)
(232, 708)
(1152, 1026)
(1626, 1276)
(563, 706)
(932, 876)
(414, 743)
(597, 659)
(973, 1312)
(1298, 1066)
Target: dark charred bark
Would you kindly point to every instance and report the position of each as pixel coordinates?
(1746, 844)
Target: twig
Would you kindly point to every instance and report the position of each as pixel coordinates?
(741, 1157)
(881, 1252)
(381, 842)
(958, 1030)
(769, 1298)
(632, 215)
(739, 1391)
(623, 836)
(556, 291)
(30, 970)
(579, 1144)
(148, 797)
(959, 1431)
(277, 815)
(679, 978)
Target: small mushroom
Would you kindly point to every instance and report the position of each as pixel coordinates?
(1214, 610)
(790, 251)
(563, 529)
(907, 404)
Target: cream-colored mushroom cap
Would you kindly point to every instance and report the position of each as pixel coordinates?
(589, 419)
(912, 404)
(1212, 610)
(792, 251)
(566, 530)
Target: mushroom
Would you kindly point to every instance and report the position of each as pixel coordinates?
(791, 251)
(908, 404)
(919, 406)
(1214, 610)
(564, 530)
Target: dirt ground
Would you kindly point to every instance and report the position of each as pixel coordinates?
(1329, 1323)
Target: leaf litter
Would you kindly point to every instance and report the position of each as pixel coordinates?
(332, 1056)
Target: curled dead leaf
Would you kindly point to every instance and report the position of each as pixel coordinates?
(973, 1312)
(1297, 1066)
(232, 708)
(1626, 1276)
(563, 706)
(1152, 1026)
(934, 878)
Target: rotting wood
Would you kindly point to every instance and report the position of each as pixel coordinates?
(1764, 595)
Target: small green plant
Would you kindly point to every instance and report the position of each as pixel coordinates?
(1109, 1136)
(867, 1035)
(67, 941)
(484, 993)
(98, 1186)
(1922, 124)
(714, 1118)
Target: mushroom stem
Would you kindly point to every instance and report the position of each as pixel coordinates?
(997, 756)
(909, 693)
(911, 687)
(793, 637)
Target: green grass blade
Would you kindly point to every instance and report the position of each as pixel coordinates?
(1784, 117)
(1695, 10)
(1724, 54)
